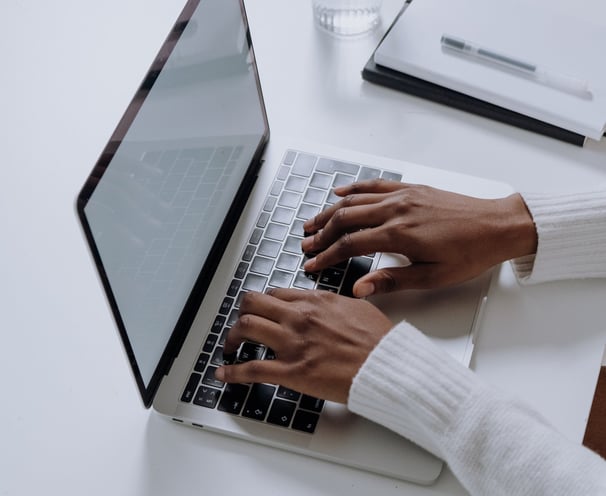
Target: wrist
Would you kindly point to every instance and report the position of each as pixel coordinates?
(517, 231)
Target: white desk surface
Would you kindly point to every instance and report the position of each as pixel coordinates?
(71, 421)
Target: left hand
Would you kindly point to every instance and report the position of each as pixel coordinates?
(320, 340)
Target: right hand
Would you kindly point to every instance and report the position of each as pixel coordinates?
(448, 237)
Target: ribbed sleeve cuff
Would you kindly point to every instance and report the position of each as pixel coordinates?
(411, 386)
(571, 232)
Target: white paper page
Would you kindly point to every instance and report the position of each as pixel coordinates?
(544, 37)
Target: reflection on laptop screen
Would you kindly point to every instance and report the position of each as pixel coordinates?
(165, 194)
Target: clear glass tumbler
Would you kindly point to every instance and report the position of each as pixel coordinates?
(347, 17)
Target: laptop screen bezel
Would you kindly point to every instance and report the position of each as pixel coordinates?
(179, 333)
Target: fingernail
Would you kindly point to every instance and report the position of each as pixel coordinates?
(220, 374)
(310, 265)
(365, 289)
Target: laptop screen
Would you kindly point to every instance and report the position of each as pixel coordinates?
(162, 200)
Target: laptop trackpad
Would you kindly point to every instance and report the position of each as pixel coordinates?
(446, 315)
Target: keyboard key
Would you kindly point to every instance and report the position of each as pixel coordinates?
(391, 176)
(311, 403)
(210, 343)
(321, 287)
(202, 362)
(251, 351)
(249, 252)
(233, 316)
(322, 181)
(226, 305)
(234, 287)
(276, 232)
(218, 324)
(258, 401)
(288, 394)
(276, 188)
(281, 413)
(305, 280)
(293, 245)
(233, 398)
(289, 199)
(207, 397)
(287, 261)
(331, 277)
(283, 172)
(314, 196)
(296, 184)
(239, 299)
(269, 248)
(241, 270)
(296, 229)
(305, 421)
(217, 358)
(342, 180)
(223, 336)
(190, 388)
(283, 215)
(289, 158)
(280, 279)
(358, 266)
(256, 236)
(270, 203)
(210, 380)
(329, 166)
(262, 265)
(304, 165)
(368, 173)
(263, 220)
(254, 282)
(307, 211)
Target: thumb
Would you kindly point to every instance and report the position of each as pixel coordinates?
(386, 280)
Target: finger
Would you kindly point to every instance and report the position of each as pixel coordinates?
(347, 219)
(319, 221)
(250, 327)
(415, 276)
(349, 245)
(270, 371)
(287, 294)
(263, 305)
(370, 186)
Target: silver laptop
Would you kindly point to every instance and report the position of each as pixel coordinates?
(190, 206)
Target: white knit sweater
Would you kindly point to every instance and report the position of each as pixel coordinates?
(494, 444)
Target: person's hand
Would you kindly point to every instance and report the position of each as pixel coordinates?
(320, 340)
(448, 238)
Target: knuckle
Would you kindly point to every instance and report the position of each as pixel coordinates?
(344, 244)
(387, 282)
(340, 217)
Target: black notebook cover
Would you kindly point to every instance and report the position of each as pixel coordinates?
(419, 87)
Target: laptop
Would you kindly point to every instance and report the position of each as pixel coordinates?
(190, 205)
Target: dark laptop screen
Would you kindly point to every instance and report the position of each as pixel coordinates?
(161, 203)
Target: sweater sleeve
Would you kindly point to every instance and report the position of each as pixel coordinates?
(492, 443)
(571, 233)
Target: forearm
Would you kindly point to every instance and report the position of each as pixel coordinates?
(493, 444)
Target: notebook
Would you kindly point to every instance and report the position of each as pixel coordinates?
(190, 205)
(530, 74)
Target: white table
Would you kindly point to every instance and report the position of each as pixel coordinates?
(71, 421)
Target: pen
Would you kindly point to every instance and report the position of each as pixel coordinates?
(539, 74)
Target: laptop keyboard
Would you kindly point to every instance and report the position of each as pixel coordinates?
(273, 259)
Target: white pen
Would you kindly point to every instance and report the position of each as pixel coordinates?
(535, 72)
